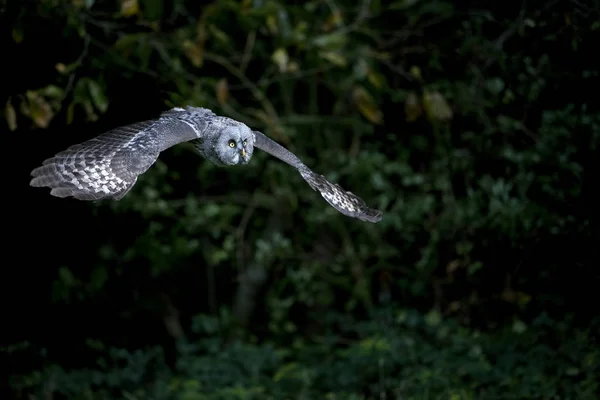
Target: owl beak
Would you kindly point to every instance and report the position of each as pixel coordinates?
(243, 152)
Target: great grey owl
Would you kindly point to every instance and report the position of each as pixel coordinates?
(108, 165)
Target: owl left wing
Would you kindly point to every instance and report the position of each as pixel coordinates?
(108, 165)
(345, 202)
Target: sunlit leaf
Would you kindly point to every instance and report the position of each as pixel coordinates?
(366, 105)
(61, 68)
(415, 72)
(436, 106)
(334, 57)
(97, 94)
(412, 107)
(52, 91)
(280, 58)
(222, 91)
(11, 116)
(194, 52)
(129, 8)
(271, 21)
(37, 108)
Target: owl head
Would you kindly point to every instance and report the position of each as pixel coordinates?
(233, 144)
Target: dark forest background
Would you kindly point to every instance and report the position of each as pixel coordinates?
(475, 126)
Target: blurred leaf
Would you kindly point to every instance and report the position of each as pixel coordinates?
(334, 57)
(519, 326)
(433, 318)
(335, 20)
(52, 91)
(436, 106)
(272, 24)
(70, 113)
(453, 266)
(17, 35)
(412, 107)
(11, 116)
(37, 108)
(98, 279)
(194, 52)
(366, 105)
(280, 58)
(285, 371)
(378, 344)
(495, 85)
(129, 8)
(474, 267)
(66, 276)
(332, 41)
(128, 42)
(219, 35)
(415, 72)
(61, 68)
(222, 92)
(97, 95)
(376, 79)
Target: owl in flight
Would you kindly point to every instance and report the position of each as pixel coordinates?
(108, 165)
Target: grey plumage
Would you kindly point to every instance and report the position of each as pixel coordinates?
(108, 165)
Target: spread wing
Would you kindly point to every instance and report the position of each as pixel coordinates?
(345, 202)
(108, 165)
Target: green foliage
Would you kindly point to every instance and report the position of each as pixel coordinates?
(396, 355)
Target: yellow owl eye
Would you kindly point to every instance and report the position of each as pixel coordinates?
(231, 144)
(244, 143)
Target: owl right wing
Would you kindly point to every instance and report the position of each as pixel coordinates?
(108, 165)
(344, 201)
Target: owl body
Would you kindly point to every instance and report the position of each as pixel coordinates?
(108, 165)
